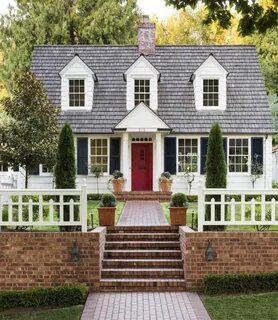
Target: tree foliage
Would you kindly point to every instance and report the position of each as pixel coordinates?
(254, 15)
(65, 169)
(216, 170)
(62, 22)
(28, 126)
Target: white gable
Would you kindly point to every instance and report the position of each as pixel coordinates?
(211, 67)
(76, 66)
(142, 67)
(142, 118)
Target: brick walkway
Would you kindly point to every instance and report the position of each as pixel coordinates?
(142, 213)
(144, 306)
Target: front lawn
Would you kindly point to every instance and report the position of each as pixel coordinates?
(69, 313)
(243, 307)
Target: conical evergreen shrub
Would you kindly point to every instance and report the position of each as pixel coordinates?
(216, 170)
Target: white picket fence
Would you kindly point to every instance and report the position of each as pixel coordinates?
(27, 207)
(237, 207)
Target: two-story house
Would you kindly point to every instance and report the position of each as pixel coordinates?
(147, 109)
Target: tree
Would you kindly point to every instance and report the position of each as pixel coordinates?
(216, 171)
(65, 169)
(62, 22)
(254, 15)
(29, 128)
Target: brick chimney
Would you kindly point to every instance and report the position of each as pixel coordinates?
(146, 37)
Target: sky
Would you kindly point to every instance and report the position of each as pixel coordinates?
(150, 7)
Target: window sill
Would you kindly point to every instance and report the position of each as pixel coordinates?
(77, 108)
(211, 109)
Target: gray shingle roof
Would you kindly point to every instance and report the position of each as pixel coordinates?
(247, 106)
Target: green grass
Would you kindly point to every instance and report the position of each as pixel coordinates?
(243, 307)
(69, 313)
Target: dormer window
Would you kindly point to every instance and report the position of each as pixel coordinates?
(210, 85)
(77, 93)
(142, 92)
(210, 92)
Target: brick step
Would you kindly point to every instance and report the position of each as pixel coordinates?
(161, 245)
(143, 195)
(143, 229)
(142, 263)
(144, 254)
(142, 237)
(142, 285)
(144, 273)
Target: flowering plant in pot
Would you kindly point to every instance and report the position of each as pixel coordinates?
(178, 209)
(107, 209)
(165, 181)
(118, 181)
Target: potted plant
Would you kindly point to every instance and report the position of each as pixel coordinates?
(165, 182)
(118, 181)
(106, 210)
(178, 209)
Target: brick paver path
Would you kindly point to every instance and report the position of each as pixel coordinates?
(142, 213)
(144, 306)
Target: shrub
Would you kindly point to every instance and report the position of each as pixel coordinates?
(57, 296)
(241, 283)
(117, 174)
(165, 175)
(179, 200)
(94, 196)
(108, 200)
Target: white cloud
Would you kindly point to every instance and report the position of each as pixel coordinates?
(4, 5)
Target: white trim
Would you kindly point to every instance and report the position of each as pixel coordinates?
(95, 137)
(74, 60)
(146, 62)
(178, 173)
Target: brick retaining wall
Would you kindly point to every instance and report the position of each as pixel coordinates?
(42, 259)
(236, 252)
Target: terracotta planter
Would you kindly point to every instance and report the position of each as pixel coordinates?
(178, 216)
(106, 216)
(118, 185)
(165, 185)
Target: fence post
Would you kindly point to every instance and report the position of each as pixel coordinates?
(201, 209)
(83, 206)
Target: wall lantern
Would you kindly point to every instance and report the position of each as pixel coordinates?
(210, 253)
(74, 253)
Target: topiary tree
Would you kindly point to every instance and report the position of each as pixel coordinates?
(216, 169)
(65, 169)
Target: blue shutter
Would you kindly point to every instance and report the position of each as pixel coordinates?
(225, 149)
(203, 157)
(170, 155)
(82, 156)
(257, 151)
(115, 154)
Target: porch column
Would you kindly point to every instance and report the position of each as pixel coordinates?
(125, 161)
(158, 160)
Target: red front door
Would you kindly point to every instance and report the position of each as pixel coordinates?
(142, 166)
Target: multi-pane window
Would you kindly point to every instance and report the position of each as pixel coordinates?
(3, 167)
(77, 93)
(210, 92)
(187, 155)
(238, 155)
(142, 92)
(99, 154)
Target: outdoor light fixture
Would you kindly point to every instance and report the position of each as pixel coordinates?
(210, 253)
(74, 253)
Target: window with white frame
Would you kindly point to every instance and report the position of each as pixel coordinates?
(99, 154)
(142, 92)
(238, 155)
(210, 92)
(3, 167)
(77, 93)
(187, 155)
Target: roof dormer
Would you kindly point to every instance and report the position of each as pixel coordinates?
(141, 78)
(210, 87)
(77, 85)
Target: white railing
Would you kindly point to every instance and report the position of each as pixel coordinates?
(43, 207)
(226, 207)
